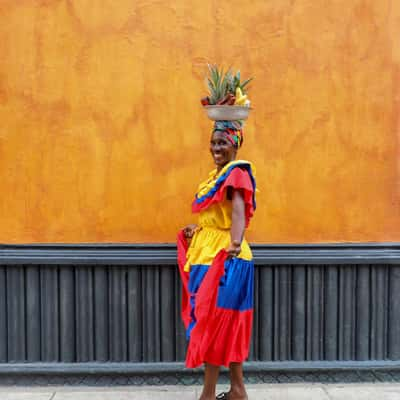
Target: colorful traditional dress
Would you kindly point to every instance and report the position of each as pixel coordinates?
(217, 298)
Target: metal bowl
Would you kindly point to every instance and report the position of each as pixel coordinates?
(227, 113)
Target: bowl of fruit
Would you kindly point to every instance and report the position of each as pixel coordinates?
(228, 99)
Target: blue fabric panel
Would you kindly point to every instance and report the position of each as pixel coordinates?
(196, 276)
(237, 285)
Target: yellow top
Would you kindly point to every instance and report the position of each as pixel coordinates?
(213, 233)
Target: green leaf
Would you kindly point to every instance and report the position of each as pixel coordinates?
(246, 82)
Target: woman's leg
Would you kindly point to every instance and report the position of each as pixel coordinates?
(238, 390)
(210, 382)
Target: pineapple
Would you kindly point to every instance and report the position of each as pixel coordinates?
(223, 86)
(218, 83)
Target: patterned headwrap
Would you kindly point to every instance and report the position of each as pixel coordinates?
(232, 130)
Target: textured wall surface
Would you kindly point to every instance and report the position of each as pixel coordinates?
(102, 138)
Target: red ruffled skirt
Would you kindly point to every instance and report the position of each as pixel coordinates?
(217, 308)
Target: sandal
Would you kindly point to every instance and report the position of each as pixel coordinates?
(223, 396)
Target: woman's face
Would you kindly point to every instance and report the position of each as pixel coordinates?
(222, 150)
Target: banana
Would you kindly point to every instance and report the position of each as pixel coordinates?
(240, 97)
(238, 92)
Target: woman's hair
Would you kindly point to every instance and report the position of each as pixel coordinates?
(232, 130)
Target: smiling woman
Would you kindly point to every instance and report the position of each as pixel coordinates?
(216, 265)
(226, 138)
(221, 149)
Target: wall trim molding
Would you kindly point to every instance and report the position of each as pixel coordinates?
(165, 254)
(162, 367)
(174, 373)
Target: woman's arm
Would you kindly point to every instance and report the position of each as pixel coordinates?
(238, 223)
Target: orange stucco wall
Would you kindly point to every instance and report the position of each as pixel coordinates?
(102, 137)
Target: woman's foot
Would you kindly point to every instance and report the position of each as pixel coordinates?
(233, 394)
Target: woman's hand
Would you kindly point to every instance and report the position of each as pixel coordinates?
(234, 249)
(189, 230)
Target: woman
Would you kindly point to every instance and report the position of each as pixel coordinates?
(216, 269)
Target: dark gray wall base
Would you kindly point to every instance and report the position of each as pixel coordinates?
(131, 314)
(122, 374)
(100, 315)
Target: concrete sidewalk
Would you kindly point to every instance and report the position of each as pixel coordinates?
(362, 391)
